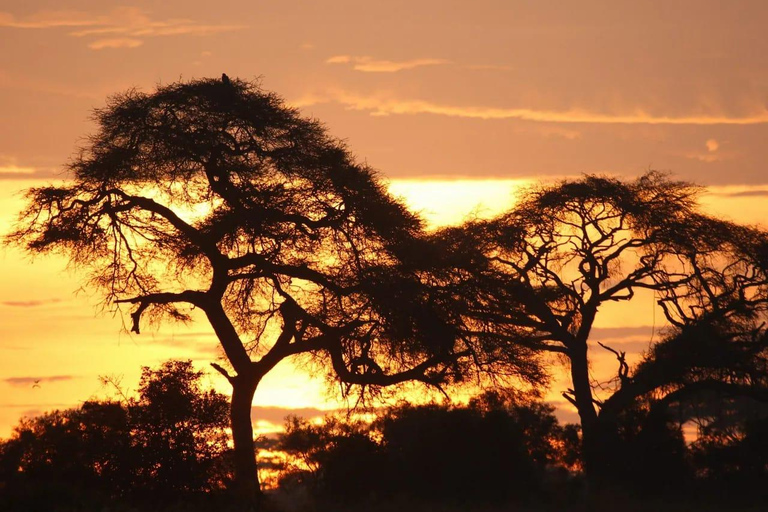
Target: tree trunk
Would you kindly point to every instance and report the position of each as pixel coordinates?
(582, 391)
(246, 483)
(601, 449)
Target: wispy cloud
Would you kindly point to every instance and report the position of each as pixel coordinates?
(30, 381)
(120, 42)
(368, 64)
(203, 343)
(123, 27)
(16, 170)
(385, 105)
(277, 415)
(28, 173)
(615, 333)
(739, 191)
(52, 19)
(29, 303)
(37, 406)
(747, 193)
(633, 340)
(11, 169)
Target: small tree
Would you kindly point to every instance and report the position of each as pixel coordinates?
(497, 448)
(160, 446)
(566, 250)
(214, 195)
(178, 432)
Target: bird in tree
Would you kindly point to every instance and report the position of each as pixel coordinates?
(214, 195)
(566, 250)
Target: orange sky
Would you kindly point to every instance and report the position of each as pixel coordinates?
(456, 103)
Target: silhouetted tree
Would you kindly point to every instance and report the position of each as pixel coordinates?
(156, 448)
(178, 432)
(494, 449)
(213, 195)
(337, 460)
(565, 250)
(311, 444)
(67, 459)
(731, 450)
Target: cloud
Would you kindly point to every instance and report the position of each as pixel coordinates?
(203, 343)
(633, 340)
(16, 170)
(712, 154)
(29, 303)
(122, 42)
(31, 381)
(383, 105)
(614, 333)
(748, 193)
(126, 26)
(368, 64)
(30, 173)
(10, 169)
(758, 192)
(564, 412)
(277, 415)
(27, 406)
(51, 19)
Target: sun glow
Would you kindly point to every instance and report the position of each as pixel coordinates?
(449, 202)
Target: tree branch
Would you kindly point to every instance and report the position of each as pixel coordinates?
(195, 298)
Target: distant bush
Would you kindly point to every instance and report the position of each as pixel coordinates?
(734, 455)
(492, 450)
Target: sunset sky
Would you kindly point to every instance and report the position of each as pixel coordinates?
(458, 104)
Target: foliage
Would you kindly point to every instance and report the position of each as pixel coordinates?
(732, 447)
(159, 447)
(214, 195)
(493, 449)
(565, 250)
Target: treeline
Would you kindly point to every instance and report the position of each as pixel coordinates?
(504, 449)
(167, 449)
(495, 449)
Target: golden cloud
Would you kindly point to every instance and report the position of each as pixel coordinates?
(126, 23)
(383, 105)
(125, 42)
(52, 19)
(368, 64)
(15, 169)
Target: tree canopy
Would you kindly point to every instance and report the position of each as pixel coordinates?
(214, 195)
(565, 250)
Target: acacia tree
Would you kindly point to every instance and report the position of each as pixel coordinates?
(565, 250)
(214, 195)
